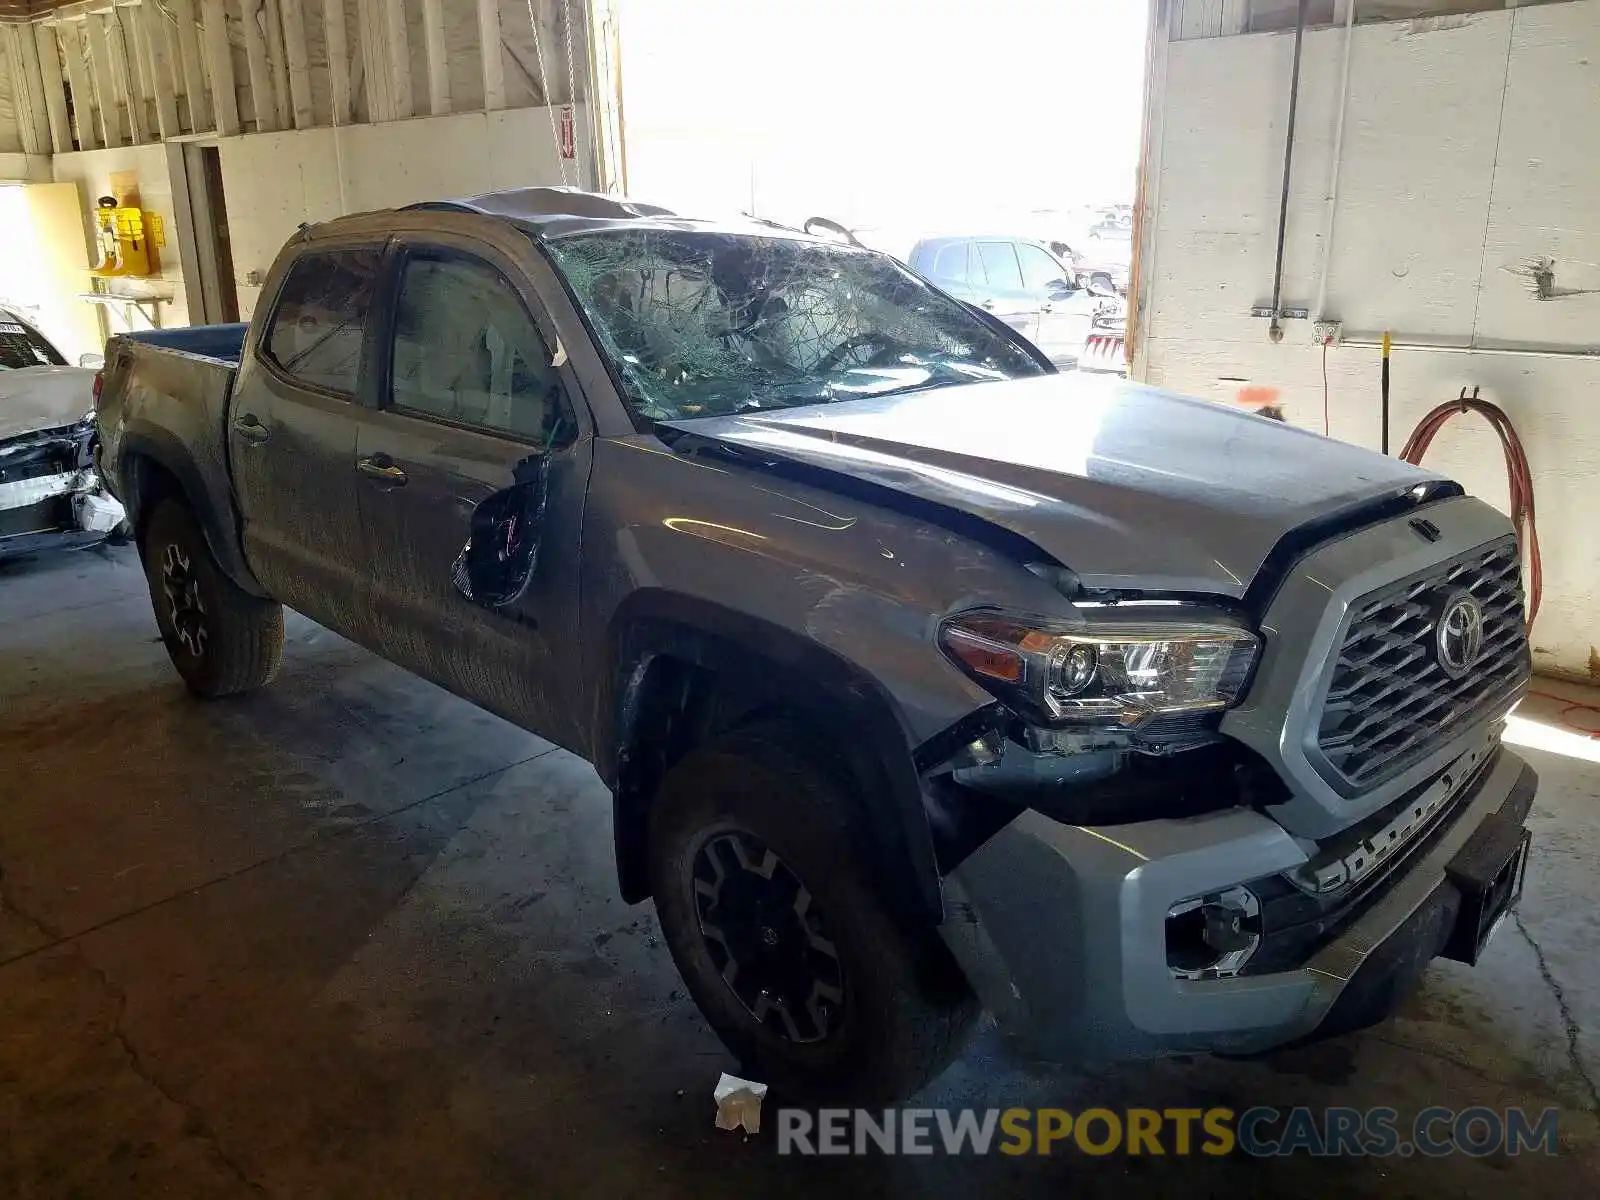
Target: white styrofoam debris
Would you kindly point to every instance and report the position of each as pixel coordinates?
(738, 1103)
(97, 512)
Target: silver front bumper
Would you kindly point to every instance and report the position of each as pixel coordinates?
(1061, 930)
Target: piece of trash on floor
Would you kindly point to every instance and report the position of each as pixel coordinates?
(738, 1103)
(97, 513)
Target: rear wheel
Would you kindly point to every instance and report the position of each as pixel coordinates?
(221, 639)
(783, 941)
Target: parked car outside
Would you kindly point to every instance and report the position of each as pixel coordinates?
(50, 490)
(1024, 284)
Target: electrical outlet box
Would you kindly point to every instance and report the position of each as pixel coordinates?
(1327, 333)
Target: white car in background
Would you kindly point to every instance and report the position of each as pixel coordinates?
(1021, 282)
(50, 489)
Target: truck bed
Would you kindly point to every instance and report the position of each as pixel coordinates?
(164, 405)
(223, 343)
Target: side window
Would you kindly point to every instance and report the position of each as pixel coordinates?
(951, 262)
(465, 349)
(315, 333)
(1000, 263)
(1039, 270)
(975, 271)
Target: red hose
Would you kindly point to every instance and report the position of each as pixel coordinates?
(1570, 707)
(1519, 476)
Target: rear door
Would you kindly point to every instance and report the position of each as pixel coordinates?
(476, 412)
(1065, 312)
(994, 261)
(292, 432)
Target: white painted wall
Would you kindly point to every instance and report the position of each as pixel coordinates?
(274, 181)
(1470, 147)
(17, 167)
(91, 171)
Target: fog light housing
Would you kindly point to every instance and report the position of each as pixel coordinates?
(1213, 936)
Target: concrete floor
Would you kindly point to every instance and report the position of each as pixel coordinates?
(352, 937)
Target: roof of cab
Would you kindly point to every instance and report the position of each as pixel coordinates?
(551, 212)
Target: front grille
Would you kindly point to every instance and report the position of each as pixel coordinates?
(1390, 702)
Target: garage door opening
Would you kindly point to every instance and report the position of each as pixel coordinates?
(995, 155)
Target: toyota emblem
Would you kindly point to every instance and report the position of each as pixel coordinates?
(1458, 634)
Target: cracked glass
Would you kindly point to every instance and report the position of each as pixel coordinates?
(710, 324)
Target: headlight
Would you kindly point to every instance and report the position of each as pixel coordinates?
(1120, 667)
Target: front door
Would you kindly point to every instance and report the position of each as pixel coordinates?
(292, 434)
(476, 457)
(1065, 311)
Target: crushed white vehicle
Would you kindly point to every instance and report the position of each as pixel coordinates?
(50, 489)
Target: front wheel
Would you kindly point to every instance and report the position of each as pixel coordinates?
(221, 639)
(785, 945)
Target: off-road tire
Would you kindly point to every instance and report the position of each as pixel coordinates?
(907, 1011)
(229, 641)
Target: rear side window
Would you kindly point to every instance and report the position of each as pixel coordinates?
(1000, 264)
(315, 334)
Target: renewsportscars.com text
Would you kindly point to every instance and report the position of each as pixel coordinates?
(1260, 1132)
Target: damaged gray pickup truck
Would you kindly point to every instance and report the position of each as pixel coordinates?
(925, 680)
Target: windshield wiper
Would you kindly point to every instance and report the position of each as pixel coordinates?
(927, 385)
(772, 403)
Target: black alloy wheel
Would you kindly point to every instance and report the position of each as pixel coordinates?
(768, 938)
(185, 607)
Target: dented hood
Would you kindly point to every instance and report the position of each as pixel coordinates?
(38, 398)
(1128, 486)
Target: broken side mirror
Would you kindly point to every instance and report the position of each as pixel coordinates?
(496, 565)
(1100, 285)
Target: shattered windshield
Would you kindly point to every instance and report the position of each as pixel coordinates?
(708, 324)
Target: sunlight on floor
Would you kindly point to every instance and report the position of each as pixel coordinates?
(1567, 723)
(1536, 735)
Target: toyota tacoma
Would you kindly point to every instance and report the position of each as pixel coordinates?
(924, 680)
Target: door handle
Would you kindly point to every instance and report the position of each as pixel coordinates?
(251, 429)
(1047, 307)
(382, 469)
